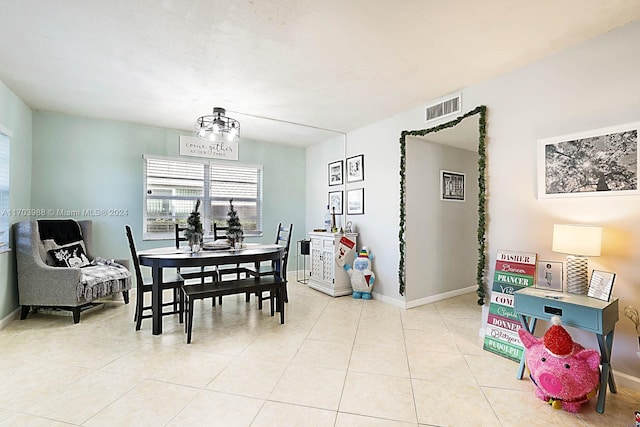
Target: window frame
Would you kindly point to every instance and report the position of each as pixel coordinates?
(5, 180)
(206, 198)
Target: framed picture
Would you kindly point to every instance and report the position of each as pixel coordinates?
(550, 276)
(335, 201)
(355, 168)
(601, 162)
(601, 284)
(452, 186)
(355, 201)
(335, 173)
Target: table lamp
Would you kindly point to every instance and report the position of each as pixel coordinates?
(578, 241)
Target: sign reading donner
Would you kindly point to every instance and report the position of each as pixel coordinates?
(196, 147)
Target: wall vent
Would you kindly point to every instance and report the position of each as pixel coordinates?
(443, 108)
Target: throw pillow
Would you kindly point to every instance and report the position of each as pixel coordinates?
(49, 244)
(71, 256)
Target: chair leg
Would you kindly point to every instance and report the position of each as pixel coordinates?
(180, 305)
(125, 296)
(190, 321)
(25, 312)
(76, 314)
(247, 297)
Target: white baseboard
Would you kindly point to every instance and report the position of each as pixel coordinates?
(439, 297)
(14, 315)
(627, 381)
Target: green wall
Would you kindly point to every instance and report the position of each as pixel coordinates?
(81, 163)
(16, 118)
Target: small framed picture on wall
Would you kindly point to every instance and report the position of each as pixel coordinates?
(355, 202)
(355, 168)
(335, 173)
(550, 276)
(335, 201)
(452, 186)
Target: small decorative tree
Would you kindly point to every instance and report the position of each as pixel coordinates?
(194, 226)
(234, 227)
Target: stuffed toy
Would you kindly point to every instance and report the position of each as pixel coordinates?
(565, 374)
(362, 277)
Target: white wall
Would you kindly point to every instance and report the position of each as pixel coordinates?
(595, 84)
(432, 223)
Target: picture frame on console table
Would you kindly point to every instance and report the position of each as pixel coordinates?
(600, 162)
(550, 276)
(601, 285)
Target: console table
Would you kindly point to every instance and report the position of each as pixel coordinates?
(579, 311)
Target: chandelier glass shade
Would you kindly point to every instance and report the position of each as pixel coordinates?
(217, 127)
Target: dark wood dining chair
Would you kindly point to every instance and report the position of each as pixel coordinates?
(283, 238)
(170, 281)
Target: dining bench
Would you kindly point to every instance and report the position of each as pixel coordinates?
(274, 284)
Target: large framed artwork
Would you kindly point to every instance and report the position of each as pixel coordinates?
(601, 162)
(452, 186)
(336, 173)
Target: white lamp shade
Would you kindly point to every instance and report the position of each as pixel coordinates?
(577, 239)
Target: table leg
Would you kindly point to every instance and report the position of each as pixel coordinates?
(529, 325)
(156, 299)
(606, 376)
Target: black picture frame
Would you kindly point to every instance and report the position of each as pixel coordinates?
(335, 200)
(336, 173)
(452, 186)
(355, 168)
(355, 201)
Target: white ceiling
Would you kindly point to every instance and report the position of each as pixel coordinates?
(335, 64)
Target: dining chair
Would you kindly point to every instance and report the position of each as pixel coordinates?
(171, 281)
(190, 273)
(220, 232)
(283, 238)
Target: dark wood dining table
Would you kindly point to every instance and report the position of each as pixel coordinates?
(170, 257)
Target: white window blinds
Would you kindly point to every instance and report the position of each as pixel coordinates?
(173, 186)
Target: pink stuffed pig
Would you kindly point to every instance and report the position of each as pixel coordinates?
(565, 373)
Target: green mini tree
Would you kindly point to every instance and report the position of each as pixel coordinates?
(234, 227)
(194, 224)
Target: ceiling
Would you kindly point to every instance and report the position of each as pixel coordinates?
(333, 64)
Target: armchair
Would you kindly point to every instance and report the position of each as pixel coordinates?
(42, 284)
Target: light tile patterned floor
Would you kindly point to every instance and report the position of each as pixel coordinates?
(336, 362)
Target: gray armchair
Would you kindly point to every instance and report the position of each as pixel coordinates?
(42, 284)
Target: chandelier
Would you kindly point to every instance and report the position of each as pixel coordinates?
(218, 127)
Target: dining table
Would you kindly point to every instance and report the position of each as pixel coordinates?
(170, 257)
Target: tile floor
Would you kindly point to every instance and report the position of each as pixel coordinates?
(336, 362)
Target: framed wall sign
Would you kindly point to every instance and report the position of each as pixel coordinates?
(335, 201)
(336, 173)
(355, 168)
(601, 162)
(452, 186)
(550, 276)
(601, 284)
(355, 201)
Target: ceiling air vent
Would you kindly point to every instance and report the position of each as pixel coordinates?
(447, 107)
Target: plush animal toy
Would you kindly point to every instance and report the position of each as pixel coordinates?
(362, 277)
(565, 374)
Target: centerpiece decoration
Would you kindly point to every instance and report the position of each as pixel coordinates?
(235, 235)
(193, 232)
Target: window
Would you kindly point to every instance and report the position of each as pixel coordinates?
(173, 186)
(5, 141)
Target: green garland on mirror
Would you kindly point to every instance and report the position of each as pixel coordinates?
(482, 225)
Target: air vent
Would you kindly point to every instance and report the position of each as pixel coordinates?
(447, 107)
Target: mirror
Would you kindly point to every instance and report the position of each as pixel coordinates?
(442, 208)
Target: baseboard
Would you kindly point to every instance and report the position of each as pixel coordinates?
(627, 381)
(14, 315)
(439, 297)
(385, 299)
